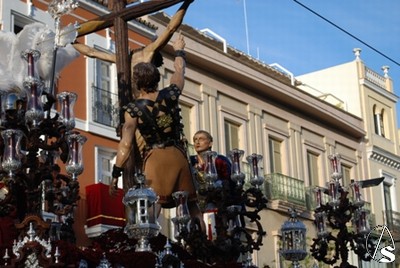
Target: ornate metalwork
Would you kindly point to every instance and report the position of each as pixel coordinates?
(332, 246)
(167, 258)
(142, 222)
(105, 109)
(233, 207)
(294, 246)
(31, 142)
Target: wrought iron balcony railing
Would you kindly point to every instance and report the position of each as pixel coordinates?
(291, 190)
(285, 188)
(392, 219)
(105, 108)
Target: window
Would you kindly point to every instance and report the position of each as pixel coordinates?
(103, 78)
(231, 135)
(388, 203)
(105, 161)
(105, 101)
(312, 165)
(346, 171)
(19, 21)
(275, 156)
(379, 122)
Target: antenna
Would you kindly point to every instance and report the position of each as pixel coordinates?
(246, 28)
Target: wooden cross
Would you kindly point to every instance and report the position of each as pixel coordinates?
(118, 18)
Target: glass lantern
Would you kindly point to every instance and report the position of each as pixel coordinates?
(67, 102)
(336, 167)
(182, 218)
(256, 179)
(356, 189)
(334, 195)
(12, 150)
(361, 221)
(294, 246)
(236, 172)
(210, 171)
(318, 197)
(141, 214)
(74, 166)
(320, 224)
(34, 87)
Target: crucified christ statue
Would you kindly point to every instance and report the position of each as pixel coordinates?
(148, 53)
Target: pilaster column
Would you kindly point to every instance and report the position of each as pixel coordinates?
(255, 140)
(296, 167)
(210, 112)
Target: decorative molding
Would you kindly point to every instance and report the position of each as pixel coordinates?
(385, 159)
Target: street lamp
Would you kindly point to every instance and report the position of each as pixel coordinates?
(293, 240)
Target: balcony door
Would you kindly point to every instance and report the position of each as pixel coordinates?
(312, 165)
(105, 99)
(275, 155)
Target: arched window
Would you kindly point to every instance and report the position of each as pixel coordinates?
(378, 121)
(381, 123)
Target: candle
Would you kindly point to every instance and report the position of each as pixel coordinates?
(357, 191)
(75, 151)
(255, 164)
(31, 66)
(210, 233)
(334, 164)
(318, 197)
(236, 162)
(11, 147)
(210, 162)
(33, 104)
(182, 210)
(66, 112)
(332, 190)
(363, 222)
(333, 193)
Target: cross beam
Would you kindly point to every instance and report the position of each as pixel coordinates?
(126, 14)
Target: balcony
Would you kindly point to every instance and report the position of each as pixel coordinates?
(371, 216)
(105, 108)
(392, 219)
(284, 191)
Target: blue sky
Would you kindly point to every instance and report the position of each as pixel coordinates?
(284, 32)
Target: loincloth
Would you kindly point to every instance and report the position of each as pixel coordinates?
(167, 170)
